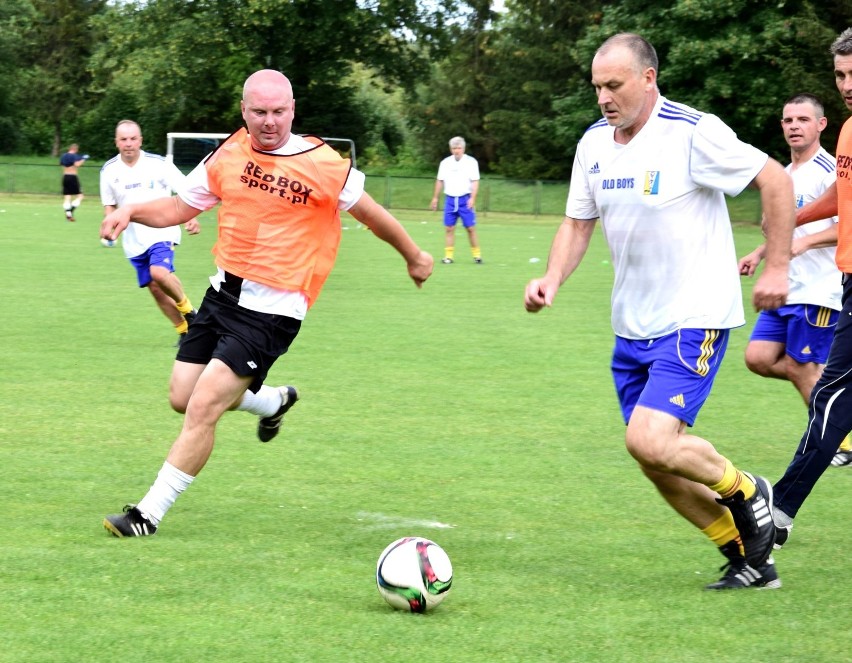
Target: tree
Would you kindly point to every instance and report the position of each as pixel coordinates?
(16, 17)
(181, 66)
(757, 54)
(55, 79)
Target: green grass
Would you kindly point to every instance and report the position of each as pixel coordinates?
(448, 405)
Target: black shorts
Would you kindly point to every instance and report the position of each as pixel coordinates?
(70, 185)
(247, 341)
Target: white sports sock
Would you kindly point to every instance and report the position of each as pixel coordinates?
(170, 483)
(76, 203)
(264, 403)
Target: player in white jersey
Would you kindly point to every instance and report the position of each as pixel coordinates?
(656, 173)
(792, 343)
(135, 176)
(458, 176)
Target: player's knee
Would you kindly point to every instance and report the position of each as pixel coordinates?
(756, 363)
(650, 450)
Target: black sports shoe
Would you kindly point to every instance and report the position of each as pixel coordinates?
(478, 261)
(740, 575)
(753, 518)
(842, 459)
(268, 427)
(129, 523)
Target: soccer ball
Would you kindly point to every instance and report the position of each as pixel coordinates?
(109, 243)
(414, 574)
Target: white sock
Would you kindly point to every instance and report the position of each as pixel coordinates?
(264, 403)
(76, 203)
(170, 483)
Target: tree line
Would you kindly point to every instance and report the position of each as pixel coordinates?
(400, 77)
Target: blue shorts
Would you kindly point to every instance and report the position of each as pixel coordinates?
(455, 208)
(673, 373)
(805, 329)
(161, 254)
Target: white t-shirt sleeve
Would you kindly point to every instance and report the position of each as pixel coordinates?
(581, 203)
(473, 165)
(352, 190)
(107, 194)
(719, 160)
(195, 190)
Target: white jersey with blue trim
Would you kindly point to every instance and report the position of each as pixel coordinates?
(661, 202)
(814, 276)
(457, 174)
(150, 178)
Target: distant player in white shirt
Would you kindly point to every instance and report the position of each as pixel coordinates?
(792, 342)
(135, 176)
(458, 176)
(656, 173)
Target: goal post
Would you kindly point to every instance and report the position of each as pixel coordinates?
(187, 148)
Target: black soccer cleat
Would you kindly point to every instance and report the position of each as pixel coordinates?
(842, 459)
(739, 575)
(129, 523)
(753, 518)
(268, 427)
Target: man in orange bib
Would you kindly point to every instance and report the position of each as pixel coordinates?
(279, 231)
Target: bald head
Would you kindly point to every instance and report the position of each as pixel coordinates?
(268, 108)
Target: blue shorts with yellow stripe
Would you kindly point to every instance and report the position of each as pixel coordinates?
(805, 330)
(672, 373)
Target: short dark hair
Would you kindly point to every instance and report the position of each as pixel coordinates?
(645, 54)
(843, 44)
(807, 98)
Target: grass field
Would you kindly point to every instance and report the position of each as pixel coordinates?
(446, 412)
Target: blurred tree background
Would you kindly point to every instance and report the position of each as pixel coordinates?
(400, 77)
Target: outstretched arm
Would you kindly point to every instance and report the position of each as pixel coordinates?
(386, 227)
(160, 213)
(569, 246)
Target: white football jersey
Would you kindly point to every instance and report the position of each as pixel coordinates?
(661, 203)
(151, 177)
(814, 277)
(457, 174)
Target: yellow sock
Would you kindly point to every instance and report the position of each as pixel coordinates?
(723, 530)
(476, 252)
(449, 251)
(182, 327)
(184, 306)
(846, 445)
(732, 481)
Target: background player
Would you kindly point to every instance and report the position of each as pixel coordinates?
(458, 175)
(71, 190)
(136, 176)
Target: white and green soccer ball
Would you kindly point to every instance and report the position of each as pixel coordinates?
(414, 574)
(108, 243)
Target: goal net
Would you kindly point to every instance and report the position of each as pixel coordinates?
(187, 149)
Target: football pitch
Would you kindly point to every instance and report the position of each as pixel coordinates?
(447, 412)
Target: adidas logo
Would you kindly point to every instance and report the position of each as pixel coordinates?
(251, 365)
(678, 400)
(806, 350)
(595, 170)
